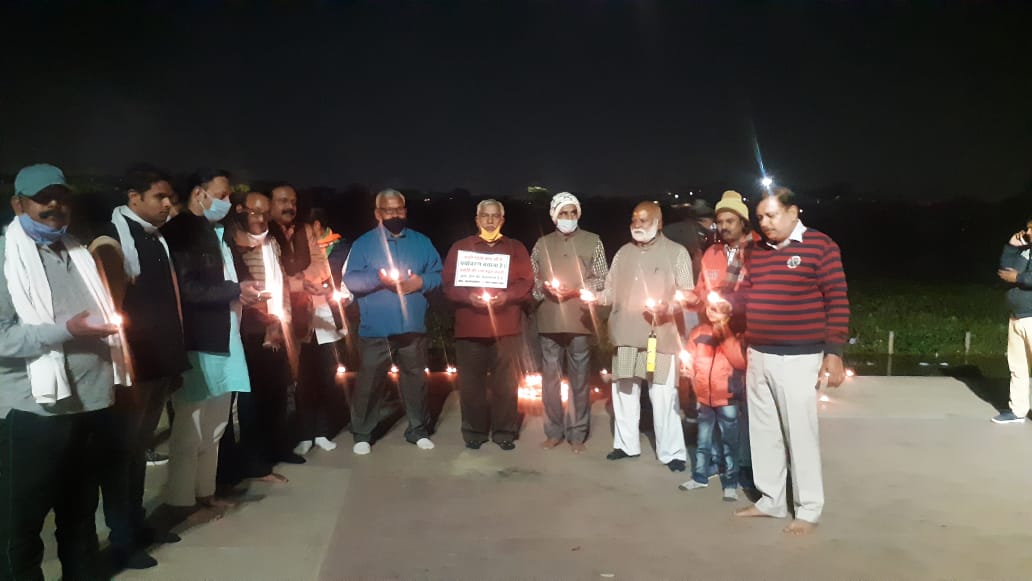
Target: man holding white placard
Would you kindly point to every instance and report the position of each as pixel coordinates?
(488, 276)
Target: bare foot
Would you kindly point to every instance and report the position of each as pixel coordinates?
(578, 448)
(800, 527)
(272, 477)
(550, 443)
(216, 502)
(751, 511)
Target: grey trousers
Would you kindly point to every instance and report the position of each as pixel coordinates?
(573, 424)
(783, 432)
(367, 396)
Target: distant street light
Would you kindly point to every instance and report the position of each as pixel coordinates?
(767, 181)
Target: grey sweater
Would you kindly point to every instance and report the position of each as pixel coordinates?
(87, 360)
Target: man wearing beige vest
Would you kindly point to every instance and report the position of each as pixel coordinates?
(648, 279)
(566, 261)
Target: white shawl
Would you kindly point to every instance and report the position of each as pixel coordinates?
(30, 294)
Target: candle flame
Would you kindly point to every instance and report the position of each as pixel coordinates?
(486, 296)
(555, 282)
(650, 303)
(116, 320)
(678, 295)
(586, 295)
(714, 297)
(395, 275)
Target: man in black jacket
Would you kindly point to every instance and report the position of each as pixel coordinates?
(1016, 269)
(136, 261)
(211, 298)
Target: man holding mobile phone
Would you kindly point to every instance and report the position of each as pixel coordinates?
(1016, 269)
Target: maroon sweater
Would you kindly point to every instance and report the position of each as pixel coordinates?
(795, 297)
(504, 319)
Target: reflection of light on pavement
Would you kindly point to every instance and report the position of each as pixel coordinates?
(341, 370)
(530, 388)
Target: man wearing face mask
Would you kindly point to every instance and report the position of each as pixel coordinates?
(488, 328)
(60, 357)
(259, 439)
(390, 271)
(212, 299)
(642, 287)
(564, 262)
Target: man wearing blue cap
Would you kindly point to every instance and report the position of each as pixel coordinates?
(60, 358)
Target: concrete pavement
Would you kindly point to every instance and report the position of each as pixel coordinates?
(919, 485)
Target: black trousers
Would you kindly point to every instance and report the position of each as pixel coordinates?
(130, 434)
(488, 382)
(50, 463)
(367, 395)
(316, 389)
(257, 436)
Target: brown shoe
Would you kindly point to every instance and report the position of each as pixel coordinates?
(550, 443)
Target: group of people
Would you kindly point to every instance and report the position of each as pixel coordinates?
(230, 306)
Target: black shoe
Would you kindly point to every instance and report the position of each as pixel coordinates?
(151, 536)
(676, 465)
(474, 445)
(155, 458)
(507, 445)
(292, 458)
(130, 559)
(618, 454)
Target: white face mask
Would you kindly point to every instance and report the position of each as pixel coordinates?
(645, 234)
(566, 226)
(257, 238)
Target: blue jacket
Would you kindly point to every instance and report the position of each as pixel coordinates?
(385, 312)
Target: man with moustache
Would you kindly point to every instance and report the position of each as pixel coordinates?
(642, 287)
(796, 324)
(60, 358)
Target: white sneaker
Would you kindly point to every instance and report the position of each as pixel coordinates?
(361, 448)
(325, 444)
(730, 494)
(692, 485)
(303, 448)
(425, 444)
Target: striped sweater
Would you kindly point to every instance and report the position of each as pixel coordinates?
(796, 297)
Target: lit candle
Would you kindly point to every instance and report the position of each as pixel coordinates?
(587, 296)
(395, 275)
(486, 297)
(555, 283)
(678, 296)
(116, 320)
(338, 296)
(714, 297)
(686, 357)
(650, 303)
(341, 370)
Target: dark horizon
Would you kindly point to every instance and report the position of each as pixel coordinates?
(607, 98)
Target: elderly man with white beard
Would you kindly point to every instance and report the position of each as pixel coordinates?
(645, 285)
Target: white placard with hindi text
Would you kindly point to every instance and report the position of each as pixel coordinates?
(481, 270)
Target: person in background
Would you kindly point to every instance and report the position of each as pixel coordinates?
(1016, 270)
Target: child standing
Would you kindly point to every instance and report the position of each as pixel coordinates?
(718, 371)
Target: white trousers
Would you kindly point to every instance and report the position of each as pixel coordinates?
(194, 448)
(783, 432)
(666, 418)
(1019, 360)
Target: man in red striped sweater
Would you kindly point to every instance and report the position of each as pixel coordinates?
(797, 321)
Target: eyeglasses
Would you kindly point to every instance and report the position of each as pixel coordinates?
(393, 211)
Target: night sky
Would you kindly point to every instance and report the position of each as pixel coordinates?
(600, 97)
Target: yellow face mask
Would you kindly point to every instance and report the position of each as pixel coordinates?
(490, 236)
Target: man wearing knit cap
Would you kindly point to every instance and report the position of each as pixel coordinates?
(566, 261)
(720, 271)
(60, 357)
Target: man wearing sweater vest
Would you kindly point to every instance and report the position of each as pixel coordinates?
(136, 263)
(564, 262)
(797, 322)
(642, 286)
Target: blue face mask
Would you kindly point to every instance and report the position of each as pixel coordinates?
(40, 233)
(217, 211)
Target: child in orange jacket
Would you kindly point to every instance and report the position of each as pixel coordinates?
(718, 378)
